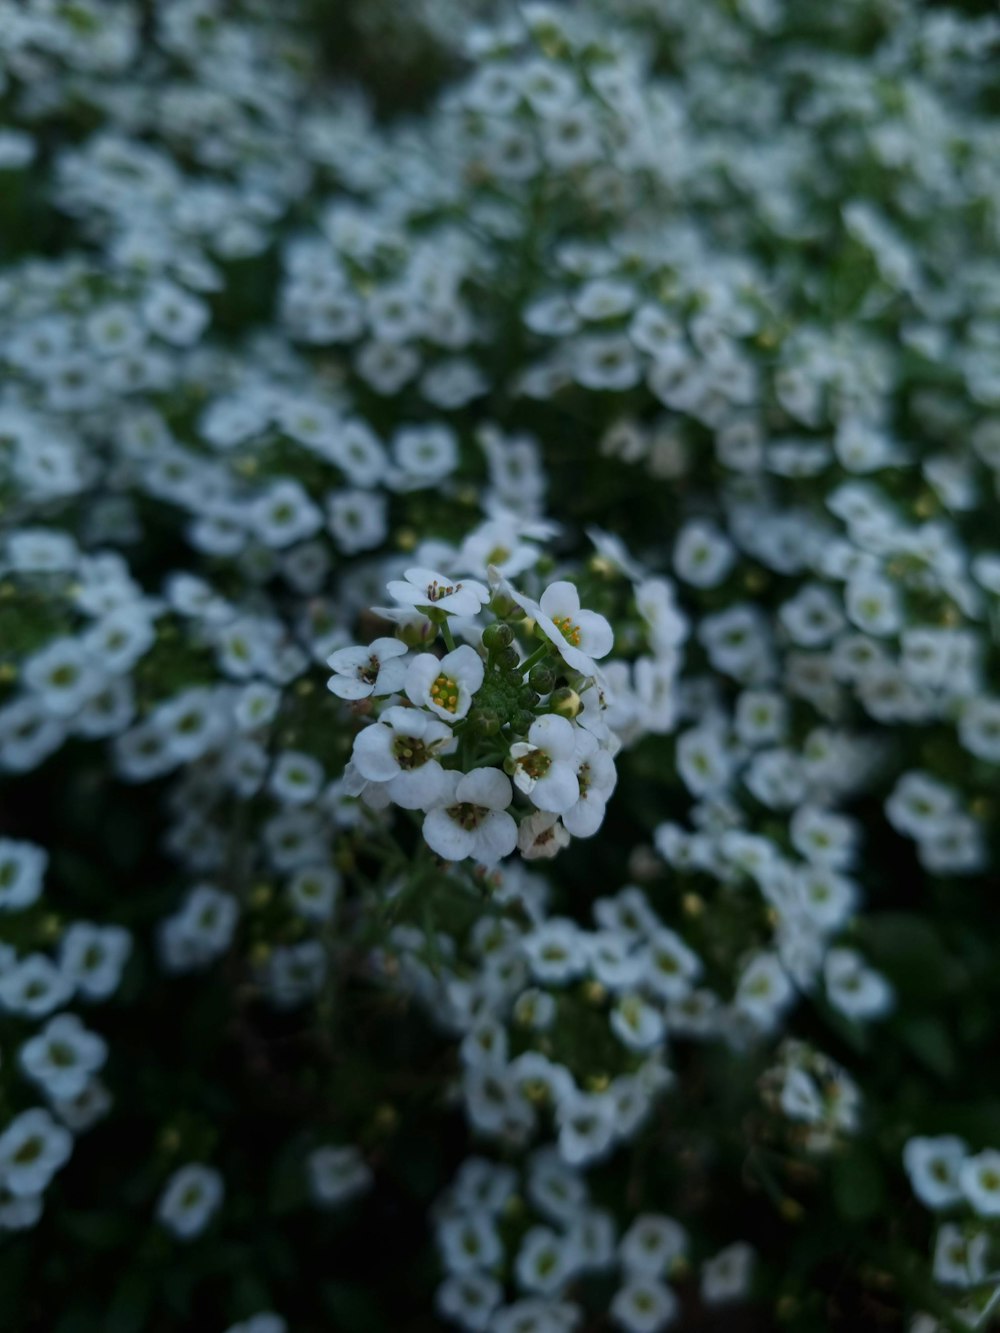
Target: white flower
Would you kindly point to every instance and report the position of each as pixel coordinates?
(854, 988)
(425, 589)
(445, 685)
(62, 1057)
(32, 1149)
(22, 867)
(92, 957)
(959, 1260)
(401, 750)
(726, 1276)
(651, 1245)
(763, 990)
(596, 778)
(189, 1199)
(541, 836)
(933, 1166)
(469, 1300)
(644, 1305)
(472, 818)
(578, 636)
(337, 1174)
(544, 1262)
(702, 555)
(374, 671)
(543, 764)
(979, 1177)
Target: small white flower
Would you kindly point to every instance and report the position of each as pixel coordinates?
(651, 1245)
(22, 867)
(469, 1300)
(854, 988)
(401, 750)
(190, 1198)
(726, 1276)
(445, 685)
(541, 836)
(959, 1260)
(337, 1174)
(596, 779)
(425, 589)
(543, 764)
(62, 1057)
(644, 1305)
(934, 1165)
(979, 1178)
(472, 818)
(375, 670)
(702, 555)
(32, 1149)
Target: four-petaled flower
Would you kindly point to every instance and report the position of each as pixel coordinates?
(426, 589)
(362, 672)
(446, 684)
(472, 819)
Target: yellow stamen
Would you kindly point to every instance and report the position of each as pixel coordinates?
(569, 631)
(444, 693)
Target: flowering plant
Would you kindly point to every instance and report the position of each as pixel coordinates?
(499, 706)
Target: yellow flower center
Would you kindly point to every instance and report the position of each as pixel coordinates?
(444, 693)
(569, 631)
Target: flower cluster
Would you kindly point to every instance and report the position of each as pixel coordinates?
(458, 734)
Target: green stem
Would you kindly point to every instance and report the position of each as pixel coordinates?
(534, 659)
(449, 638)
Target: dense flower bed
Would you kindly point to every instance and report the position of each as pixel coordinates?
(499, 674)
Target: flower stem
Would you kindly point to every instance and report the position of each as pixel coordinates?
(536, 657)
(449, 638)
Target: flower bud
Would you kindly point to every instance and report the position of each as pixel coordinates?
(565, 702)
(497, 637)
(542, 678)
(508, 659)
(416, 633)
(484, 721)
(522, 720)
(527, 697)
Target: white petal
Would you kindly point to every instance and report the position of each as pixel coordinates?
(586, 817)
(373, 757)
(348, 687)
(596, 635)
(558, 790)
(447, 838)
(496, 837)
(555, 735)
(560, 599)
(485, 786)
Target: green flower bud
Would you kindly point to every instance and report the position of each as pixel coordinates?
(497, 637)
(416, 633)
(527, 697)
(542, 678)
(522, 720)
(484, 721)
(508, 659)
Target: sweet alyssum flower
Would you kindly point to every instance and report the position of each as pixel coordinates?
(543, 764)
(471, 819)
(362, 672)
(445, 685)
(427, 590)
(578, 636)
(401, 751)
